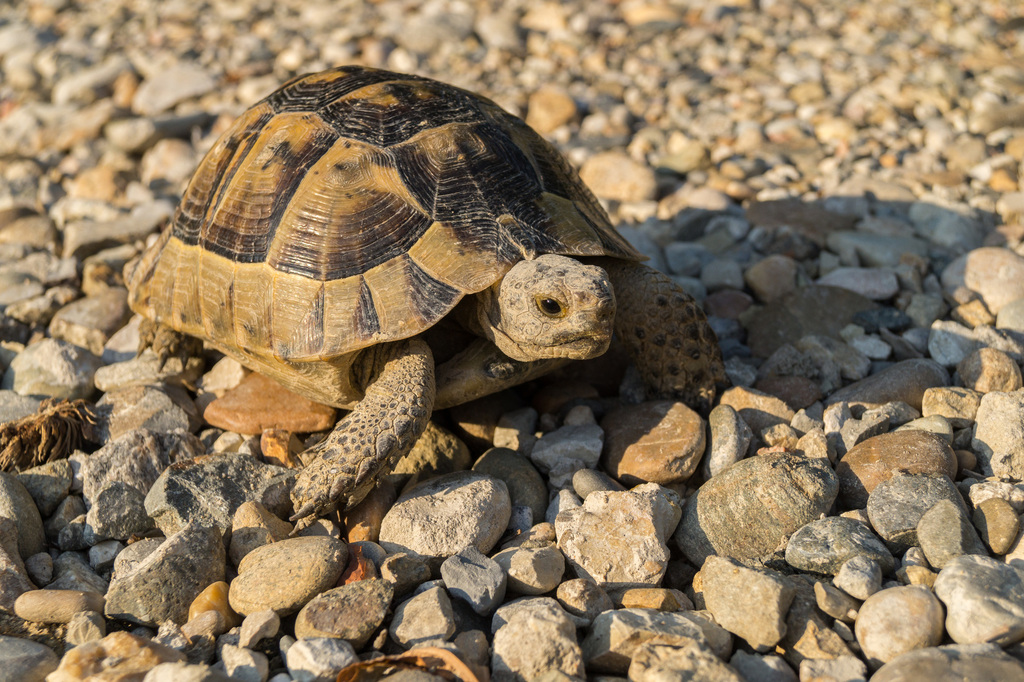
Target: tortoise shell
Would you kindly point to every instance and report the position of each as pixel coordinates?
(357, 206)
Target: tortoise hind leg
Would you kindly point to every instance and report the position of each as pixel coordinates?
(667, 335)
(167, 343)
(399, 397)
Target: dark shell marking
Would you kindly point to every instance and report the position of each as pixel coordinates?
(356, 206)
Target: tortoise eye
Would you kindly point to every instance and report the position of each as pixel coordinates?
(550, 307)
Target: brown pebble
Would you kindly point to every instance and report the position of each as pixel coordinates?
(988, 370)
(358, 568)
(759, 410)
(362, 522)
(660, 598)
(965, 460)
(659, 442)
(259, 403)
(728, 303)
(877, 459)
(796, 392)
(214, 598)
(281, 448)
(211, 623)
(997, 523)
(56, 606)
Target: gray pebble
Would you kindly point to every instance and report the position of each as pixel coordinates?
(860, 577)
(52, 368)
(25, 660)
(48, 484)
(945, 532)
(118, 511)
(423, 617)
(824, 545)
(17, 504)
(318, 658)
(984, 600)
(896, 506)
(476, 579)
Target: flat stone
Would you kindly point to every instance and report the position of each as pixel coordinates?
(351, 612)
(52, 368)
(475, 579)
(759, 410)
(988, 370)
(532, 570)
(441, 517)
(877, 459)
(425, 616)
(616, 636)
(259, 403)
(750, 509)
(118, 511)
(896, 506)
(729, 440)
(825, 545)
(984, 600)
(284, 576)
(210, 488)
(165, 409)
(567, 449)
(904, 381)
(170, 86)
(614, 175)
(535, 641)
(877, 284)
(89, 322)
(951, 663)
(958, 406)
(619, 537)
(808, 310)
(750, 603)
(163, 585)
(658, 442)
(945, 532)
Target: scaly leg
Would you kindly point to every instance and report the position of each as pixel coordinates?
(167, 343)
(398, 400)
(666, 334)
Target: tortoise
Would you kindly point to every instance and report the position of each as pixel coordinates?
(353, 210)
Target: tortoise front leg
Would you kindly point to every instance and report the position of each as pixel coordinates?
(666, 334)
(167, 343)
(482, 369)
(383, 427)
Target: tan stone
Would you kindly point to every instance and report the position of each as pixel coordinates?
(118, 656)
(548, 108)
(259, 403)
(362, 522)
(988, 370)
(56, 606)
(759, 410)
(658, 442)
(877, 459)
(660, 598)
(215, 598)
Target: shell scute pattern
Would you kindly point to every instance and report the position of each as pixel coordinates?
(356, 206)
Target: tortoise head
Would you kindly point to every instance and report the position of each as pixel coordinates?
(550, 307)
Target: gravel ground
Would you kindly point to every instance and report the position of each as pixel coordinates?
(839, 184)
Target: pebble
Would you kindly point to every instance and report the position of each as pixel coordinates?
(476, 579)
(525, 485)
(988, 370)
(904, 381)
(562, 452)
(441, 517)
(983, 600)
(877, 284)
(166, 88)
(259, 403)
(48, 484)
(750, 603)
(877, 459)
(405, 571)
(945, 532)
(951, 662)
(759, 410)
(895, 506)
(253, 526)
(995, 274)
(286, 575)
(163, 585)
(16, 504)
(243, 664)
(614, 175)
(136, 458)
(583, 600)
(118, 511)
(958, 406)
(90, 321)
(531, 570)
(631, 526)
(534, 641)
(883, 639)
(825, 546)
(318, 659)
(860, 577)
(162, 409)
(23, 659)
(425, 616)
(116, 655)
(214, 597)
(210, 489)
(656, 661)
(615, 636)
(659, 442)
(258, 626)
(997, 524)
(751, 508)
(351, 612)
(998, 443)
(56, 606)
(52, 368)
(754, 666)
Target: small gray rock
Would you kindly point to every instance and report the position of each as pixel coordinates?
(118, 511)
(476, 579)
(952, 663)
(824, 545)
(896, 506)
(48, 484)
(860, 577)
(318, 659)
(984, 600)
(533, 642)
(137, 458)
(750, 603)
(17, 504)
(945, 532)
(423, 617)
(25, 661)
(532, 570)
(616, 636)
(52, 368)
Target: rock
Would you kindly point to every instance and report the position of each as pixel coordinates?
(825, 545)
(616, 636)
(728, 441)
(210, 489)
(535, 641)
(118, 511)
(86, 626)
(904, 381)
(750, 603)
(876, 459)
(443, 516)
(405, 571)
(161, 409)
(751, 508)
(840, 668)
(945, 532)
(548, 108)
(258, 626)
(90, 321)
(583, 600)
(25, 660)
(836, 603)
(48, 484)
(984, 600)
(565, 450)
(56, 606)
(351, 612)
(614, 175)
(525, 485)
(175, 84)
(254, 526)
(259, 403)
(52, 368)
(437, 451)
(761, 667)
(998, 439)
(16, 504)
(532, 570)
(951, 663)
(877, 284)
(618, 537)
(996, 274)
(163, 585)
(425, 616)
(772, 277)
(957, 405)
(318, 658)
(119, 655)
(950, 342)
(988, 370)
(654, 662)
(70, 572)
(214, 598)
(243, 664)
(586, 481)
(660, 442)
(286, 575)
(759, 410)
(476, 579)
(808, 310)
(997, 523)
(896, 506)
(137, 458)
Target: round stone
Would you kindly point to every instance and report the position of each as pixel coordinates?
(877, 459)
(898, 620)
(658, 442)
(286, 575)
